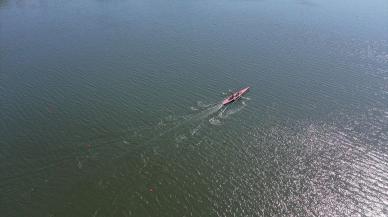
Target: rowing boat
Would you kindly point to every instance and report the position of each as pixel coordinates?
(235, 96)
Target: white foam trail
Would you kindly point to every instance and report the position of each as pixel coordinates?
(192, 119)
(206, 113)
(195, 130)
(202, 105)
(197, 117)
(229, 112)
(215, 121)
(193, 108)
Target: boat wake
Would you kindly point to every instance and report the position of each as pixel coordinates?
(226, 112)
(176, 130)
(213, 113)
(189, 123)
(208, 112)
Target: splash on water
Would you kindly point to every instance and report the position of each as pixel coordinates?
(202, 104)
(207, 112)
(225, 112)
(183, 127)
(193, 108)
(228, 111)
(215, 121)
(195, 130)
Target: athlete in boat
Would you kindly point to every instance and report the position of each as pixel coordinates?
(235, 96)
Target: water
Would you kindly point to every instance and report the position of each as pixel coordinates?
(111, 108)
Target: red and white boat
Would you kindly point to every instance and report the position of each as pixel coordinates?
(235, 96)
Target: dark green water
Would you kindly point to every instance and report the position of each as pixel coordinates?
(111, 108)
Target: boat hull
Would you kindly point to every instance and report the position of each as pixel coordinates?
(235, 96)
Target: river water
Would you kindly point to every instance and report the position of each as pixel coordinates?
(112, 108)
